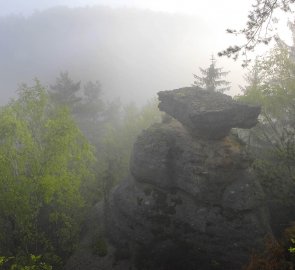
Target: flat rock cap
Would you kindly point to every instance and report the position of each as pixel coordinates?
(207, 114)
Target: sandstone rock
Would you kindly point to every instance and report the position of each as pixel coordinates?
(188, 204)
(207, 114)
(167, 156)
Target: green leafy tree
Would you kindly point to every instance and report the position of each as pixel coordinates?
(211, 78)
(30, 262)
(94, 117)
(112, 130)
(45, 161)
(272, 85)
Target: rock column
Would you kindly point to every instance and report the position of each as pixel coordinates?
(191, 200)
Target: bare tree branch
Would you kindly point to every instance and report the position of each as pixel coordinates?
(258, 28)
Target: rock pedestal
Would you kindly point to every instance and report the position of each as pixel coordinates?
(191, 200)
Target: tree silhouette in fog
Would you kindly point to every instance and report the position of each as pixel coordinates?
(211, 78)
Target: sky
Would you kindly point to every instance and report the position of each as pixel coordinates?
(184, 6)
(216, 15)
(216, 11)
(222, 14)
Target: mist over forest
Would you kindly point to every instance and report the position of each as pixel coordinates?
(126, 143)
(133, 53)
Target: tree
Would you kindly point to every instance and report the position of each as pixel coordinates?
(259, 28)
(118, 140)
(89, 112)
(211, 78)
(271, 83)
(111, 129)
(272, 141)
(84, 102)
(65, 91)
(44, 161)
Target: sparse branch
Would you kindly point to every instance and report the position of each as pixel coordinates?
(257, 30)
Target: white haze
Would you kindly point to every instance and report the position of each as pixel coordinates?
(135, 48)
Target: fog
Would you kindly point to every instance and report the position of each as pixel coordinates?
(133, 52)
(96, 173)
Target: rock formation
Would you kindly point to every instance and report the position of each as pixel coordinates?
(191, 201)
(207, 114)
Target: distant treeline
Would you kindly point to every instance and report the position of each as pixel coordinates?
(133, 53)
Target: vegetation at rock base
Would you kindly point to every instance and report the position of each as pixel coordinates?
(31, 262)
(273, 258)
(100, 246)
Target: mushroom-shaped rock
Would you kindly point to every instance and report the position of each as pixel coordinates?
(207, 114)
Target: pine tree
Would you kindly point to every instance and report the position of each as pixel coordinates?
(65, 92)
(211, 78)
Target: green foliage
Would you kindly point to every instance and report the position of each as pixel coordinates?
(90, 114)
(100, 247)
(44, 161)
(292, 249)
(31, 262)
(273, 257)
(111, 129)
(50, 174)
(271, 84)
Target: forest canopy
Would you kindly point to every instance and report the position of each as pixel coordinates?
(51, 174)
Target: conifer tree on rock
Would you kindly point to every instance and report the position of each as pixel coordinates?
(212, 78)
